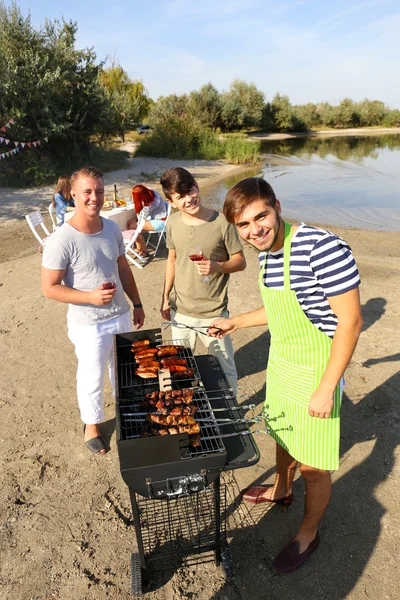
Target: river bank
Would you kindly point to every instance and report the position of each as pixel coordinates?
(326, 133)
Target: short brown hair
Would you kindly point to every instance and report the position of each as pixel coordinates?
(91, 172)
(244, 193)
(177, 181)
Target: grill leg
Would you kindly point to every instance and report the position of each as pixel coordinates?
(217, 508)
(138, 529)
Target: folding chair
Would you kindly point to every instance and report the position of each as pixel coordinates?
(130, 238)
(161, 234)
(52, 212)
(35, 220)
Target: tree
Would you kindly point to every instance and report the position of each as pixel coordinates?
(282, 111)
(327, 114)
(128, 100)
(205, 106)
(347, 115)
(168, 108)
(48, 87)
(370, 112)
(242, 106)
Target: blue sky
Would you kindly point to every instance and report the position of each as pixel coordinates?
(311, 50)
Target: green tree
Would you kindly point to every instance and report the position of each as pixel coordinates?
(370, 112)
(47, 86)
(392, 119)
(242, 106)
(283, 113)
(205, 106)
(327, 114)
(169, 108)
(347, 115)
(128, 101)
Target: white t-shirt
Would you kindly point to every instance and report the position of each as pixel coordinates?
(89, 260)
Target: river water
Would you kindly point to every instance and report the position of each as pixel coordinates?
(348, 181)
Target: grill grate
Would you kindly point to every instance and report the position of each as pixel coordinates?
(129, 381)
(133, 427)
(174, 526)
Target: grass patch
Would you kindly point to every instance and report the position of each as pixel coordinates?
(183, 140)
(40, 167)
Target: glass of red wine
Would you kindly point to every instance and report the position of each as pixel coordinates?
(111, 283)
(196, 254)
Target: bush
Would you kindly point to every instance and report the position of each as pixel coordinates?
(40, 167)
(180, 138)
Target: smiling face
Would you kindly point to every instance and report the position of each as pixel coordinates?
(88, 195)
(261, 225)
(188, 203)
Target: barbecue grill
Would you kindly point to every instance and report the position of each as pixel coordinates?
(174, 485)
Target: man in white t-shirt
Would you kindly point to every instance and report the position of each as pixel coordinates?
(84, 265)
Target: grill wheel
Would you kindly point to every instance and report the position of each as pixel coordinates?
(227, 562)
(136, 576)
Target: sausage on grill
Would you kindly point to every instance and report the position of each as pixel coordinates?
(139, 345)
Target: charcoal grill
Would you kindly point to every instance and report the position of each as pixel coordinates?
(176, 495)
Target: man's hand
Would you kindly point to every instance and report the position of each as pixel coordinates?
(165, 310)
(221, 327)
(138, 317)
(100, 297)
(321, 404)
(206, 266)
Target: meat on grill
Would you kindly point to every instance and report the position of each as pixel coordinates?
(172, 361)
(143, 353)
(171, 419)
(140, 345)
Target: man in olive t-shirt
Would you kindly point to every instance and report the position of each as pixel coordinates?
(195, 293)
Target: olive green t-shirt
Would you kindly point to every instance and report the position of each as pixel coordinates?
(218, 240)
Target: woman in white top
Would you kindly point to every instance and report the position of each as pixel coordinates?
(158, 212)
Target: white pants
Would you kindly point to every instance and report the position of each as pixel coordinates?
(221, 348)
(94, 349)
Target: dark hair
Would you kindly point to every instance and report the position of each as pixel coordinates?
(91, 172)
(177, 181)
(244, 193)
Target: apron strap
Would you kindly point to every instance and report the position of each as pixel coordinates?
(286, 256)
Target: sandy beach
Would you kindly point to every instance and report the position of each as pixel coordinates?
(66, 522)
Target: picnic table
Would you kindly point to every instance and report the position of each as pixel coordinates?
(120, 215)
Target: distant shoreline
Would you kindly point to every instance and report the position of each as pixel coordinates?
(326, 133)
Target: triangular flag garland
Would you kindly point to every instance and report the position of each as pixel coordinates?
(18, 145)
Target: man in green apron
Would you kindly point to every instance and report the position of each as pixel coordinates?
(309, 284)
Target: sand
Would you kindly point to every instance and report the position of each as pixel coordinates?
(66, 522)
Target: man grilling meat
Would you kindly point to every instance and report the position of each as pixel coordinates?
(87, 256)
(309, 286)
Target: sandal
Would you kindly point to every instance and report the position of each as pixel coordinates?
(95, 445)
(253, 494)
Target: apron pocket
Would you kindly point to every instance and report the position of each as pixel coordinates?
(293, 381)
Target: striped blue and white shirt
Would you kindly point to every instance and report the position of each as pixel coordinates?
(321, 265)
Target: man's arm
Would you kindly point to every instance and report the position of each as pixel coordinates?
(347, 308)
(130, 289)
(255, 318)
(52, 288)
(168, 284)
(236, 262)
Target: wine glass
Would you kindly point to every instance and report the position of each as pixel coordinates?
(111, 282)
(196, 254)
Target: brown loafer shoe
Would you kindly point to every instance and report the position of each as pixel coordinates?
(254, 495)
(290, 559)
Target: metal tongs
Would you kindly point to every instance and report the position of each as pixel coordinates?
(197, 329)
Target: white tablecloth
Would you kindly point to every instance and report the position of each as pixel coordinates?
(121, 216)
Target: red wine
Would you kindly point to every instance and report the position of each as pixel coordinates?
(109, 285)
(196, 257)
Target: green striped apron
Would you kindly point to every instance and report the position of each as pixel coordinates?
(297, 360)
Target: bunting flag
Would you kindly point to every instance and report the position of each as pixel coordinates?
(6, 141)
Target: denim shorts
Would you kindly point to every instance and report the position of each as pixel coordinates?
(157, 224)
